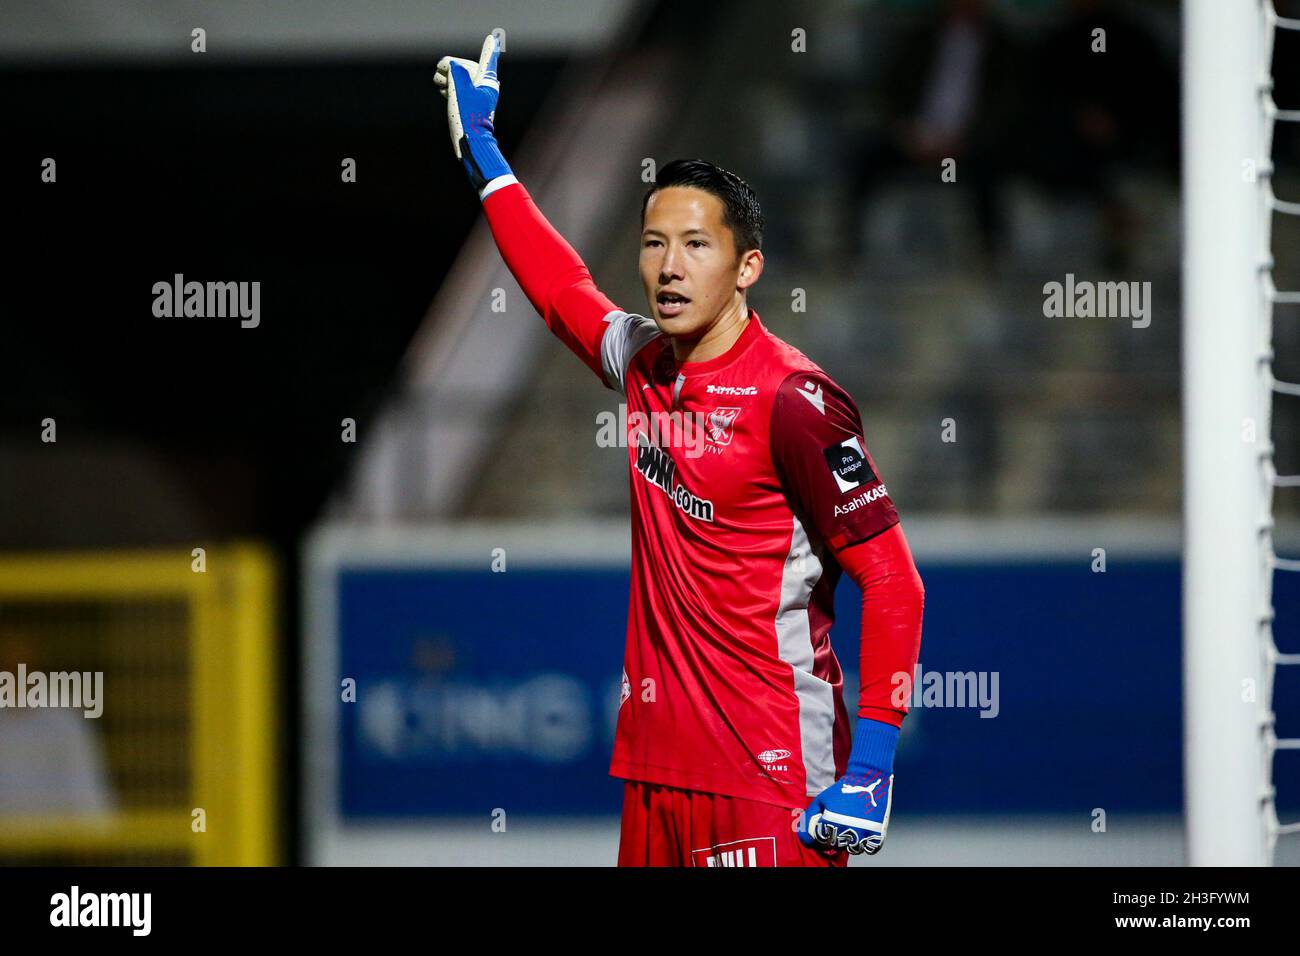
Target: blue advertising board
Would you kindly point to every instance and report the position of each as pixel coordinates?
(1061, 689)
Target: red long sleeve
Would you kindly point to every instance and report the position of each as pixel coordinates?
(550, 272)
(893, 601)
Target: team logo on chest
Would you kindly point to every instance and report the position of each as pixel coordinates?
(719, 424)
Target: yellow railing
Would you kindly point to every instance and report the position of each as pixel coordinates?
(189, 717)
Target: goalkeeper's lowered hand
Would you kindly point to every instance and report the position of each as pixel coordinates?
(471, 90)
(853, 813)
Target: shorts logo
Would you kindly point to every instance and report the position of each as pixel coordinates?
(720, 422)
(758, 851)
(774, 760)
(848, 464)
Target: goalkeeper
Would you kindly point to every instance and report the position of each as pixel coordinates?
(733, 737)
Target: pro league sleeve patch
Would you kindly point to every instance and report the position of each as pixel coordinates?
(848, 463)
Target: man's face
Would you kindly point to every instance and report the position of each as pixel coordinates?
(685, 249)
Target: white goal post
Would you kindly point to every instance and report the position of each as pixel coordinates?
(1229, 655)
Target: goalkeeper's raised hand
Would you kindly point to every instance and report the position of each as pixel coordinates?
(853, 813)
(471, 90)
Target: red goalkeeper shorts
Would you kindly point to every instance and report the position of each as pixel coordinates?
(665, 826)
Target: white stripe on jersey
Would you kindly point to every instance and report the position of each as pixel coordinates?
(802, 571)
(626, 335)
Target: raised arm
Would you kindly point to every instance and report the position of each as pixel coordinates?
(550, 272)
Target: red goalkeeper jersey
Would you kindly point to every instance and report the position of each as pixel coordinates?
(748, 472)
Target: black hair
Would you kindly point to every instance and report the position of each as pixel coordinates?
(740, 210)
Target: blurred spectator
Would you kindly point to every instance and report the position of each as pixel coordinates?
(950, 92)
(1099, 110)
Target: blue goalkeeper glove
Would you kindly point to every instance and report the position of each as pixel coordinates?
(471, 90)
(853, 813)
